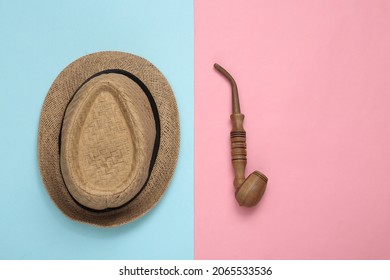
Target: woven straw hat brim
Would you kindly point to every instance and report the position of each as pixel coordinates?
(49, 135)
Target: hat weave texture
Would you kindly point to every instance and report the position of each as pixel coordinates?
(50, 135)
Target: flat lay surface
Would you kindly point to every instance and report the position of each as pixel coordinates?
(313, 80)
(39, 39)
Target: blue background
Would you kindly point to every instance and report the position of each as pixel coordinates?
(37, 40)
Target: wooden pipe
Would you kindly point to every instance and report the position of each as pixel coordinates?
(249, 191)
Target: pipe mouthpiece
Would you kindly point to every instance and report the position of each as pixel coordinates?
(235, 99)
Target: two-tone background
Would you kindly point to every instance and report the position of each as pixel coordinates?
(314, 82)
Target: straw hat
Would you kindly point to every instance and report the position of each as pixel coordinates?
(108, 138)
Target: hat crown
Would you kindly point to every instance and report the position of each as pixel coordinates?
(108, 136)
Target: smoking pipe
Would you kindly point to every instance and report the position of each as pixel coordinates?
(249, 191)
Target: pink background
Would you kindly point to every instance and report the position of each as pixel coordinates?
(314, 83)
